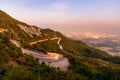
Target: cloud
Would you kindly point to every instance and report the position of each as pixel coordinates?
(60, 5)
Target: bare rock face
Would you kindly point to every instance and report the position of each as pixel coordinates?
(2, 30)
(30, 30)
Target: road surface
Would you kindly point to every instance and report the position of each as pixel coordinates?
(52, 59)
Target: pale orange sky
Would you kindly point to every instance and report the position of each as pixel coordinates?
(66, 16)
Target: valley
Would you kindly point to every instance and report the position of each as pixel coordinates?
(108, 43)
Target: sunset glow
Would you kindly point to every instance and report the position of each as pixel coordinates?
(67, 15)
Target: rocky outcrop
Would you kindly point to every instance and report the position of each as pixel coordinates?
(2, 30)
(30, 30)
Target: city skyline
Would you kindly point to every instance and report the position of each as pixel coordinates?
(97, 16)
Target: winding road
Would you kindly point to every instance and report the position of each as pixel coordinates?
(52, 59)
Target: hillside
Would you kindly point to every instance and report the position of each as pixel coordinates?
(31, 53)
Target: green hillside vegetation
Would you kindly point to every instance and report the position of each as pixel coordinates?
(86, 63)
(47, 46)
(7, 22)
(93, 64)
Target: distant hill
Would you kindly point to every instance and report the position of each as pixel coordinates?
(86, 63)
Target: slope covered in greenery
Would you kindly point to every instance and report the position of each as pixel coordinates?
(86, 63)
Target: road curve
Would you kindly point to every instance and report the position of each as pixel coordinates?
(52, 59)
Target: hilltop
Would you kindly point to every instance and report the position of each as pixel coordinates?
(32, 53)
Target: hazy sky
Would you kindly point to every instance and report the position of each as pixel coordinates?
(101, 16)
